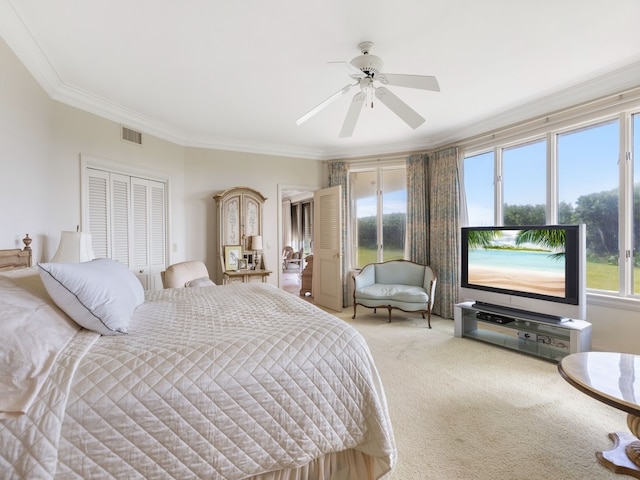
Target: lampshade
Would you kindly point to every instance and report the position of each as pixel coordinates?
(75, 247)
(256, 242)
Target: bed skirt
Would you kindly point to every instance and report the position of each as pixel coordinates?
(346, 465)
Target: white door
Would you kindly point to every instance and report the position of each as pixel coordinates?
(127, 219)
(327, 248)
(148, 230)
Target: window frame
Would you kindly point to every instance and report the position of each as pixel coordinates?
(620, 108)
(378, 167)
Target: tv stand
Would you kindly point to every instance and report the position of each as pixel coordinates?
(514, 312)
(543, 336)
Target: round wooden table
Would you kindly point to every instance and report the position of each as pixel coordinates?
(614, 379)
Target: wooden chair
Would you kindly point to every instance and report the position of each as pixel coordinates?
(287, 253)
(297, 258)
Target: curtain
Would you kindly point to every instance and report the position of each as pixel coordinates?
(417, 241)
(433, 220)
(444, 226)
(338, 175)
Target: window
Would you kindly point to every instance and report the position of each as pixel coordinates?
(302, 226)
(378, 214)
(588, 180)
(582, 173)
(479, 189)
(524, 183)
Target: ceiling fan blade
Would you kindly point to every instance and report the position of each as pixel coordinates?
(404, 111)
(423, 82)
(324, 104)
(354, 72)
(352, 115)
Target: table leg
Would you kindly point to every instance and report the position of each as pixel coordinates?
(625, 456)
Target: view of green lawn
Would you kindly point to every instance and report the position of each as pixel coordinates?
(604, 276)
(370, 255)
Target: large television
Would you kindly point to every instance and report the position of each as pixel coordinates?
(538, 269)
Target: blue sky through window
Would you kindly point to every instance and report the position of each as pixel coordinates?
(587, 162)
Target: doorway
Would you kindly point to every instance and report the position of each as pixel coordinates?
(295, 231)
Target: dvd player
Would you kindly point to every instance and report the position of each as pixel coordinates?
(494, 317)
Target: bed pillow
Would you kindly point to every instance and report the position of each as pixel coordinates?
(100, 295)
(200, 282)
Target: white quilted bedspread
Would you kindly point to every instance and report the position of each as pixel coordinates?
(222, 382)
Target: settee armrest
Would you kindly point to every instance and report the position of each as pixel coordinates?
(429, 284)
(366, 277)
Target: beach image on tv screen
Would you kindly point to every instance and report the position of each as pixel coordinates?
(531, 261)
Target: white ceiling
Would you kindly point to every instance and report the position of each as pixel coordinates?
(236, 74)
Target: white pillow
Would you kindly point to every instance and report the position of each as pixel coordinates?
(100, 295)
(200, 282)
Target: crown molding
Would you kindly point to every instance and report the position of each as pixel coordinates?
(23, 44)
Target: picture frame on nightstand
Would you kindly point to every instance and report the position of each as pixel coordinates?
(232, 257)
(242, 264)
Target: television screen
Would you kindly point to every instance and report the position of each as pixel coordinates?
(537, 268)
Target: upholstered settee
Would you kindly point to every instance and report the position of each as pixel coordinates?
(400, 284)
(186, 274)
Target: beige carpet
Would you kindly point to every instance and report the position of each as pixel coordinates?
(462, 409)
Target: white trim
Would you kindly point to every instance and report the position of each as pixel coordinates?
(595, 111)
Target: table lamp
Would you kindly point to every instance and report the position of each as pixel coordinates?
(256, 244)
(75, 247)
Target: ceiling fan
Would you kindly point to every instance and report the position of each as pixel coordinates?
(366, 69)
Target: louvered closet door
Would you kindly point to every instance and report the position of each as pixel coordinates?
(148, 230)
(158, 215)
(140, 215)
(98, 210)
(127, 219)
(120, 220)
(148, 215)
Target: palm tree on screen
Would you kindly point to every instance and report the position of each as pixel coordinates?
(549, 239)
(482, 238)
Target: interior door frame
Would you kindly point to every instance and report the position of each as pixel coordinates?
(281, 189)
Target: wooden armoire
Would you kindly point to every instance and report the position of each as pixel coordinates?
(239, 211)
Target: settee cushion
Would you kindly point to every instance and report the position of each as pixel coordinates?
(391, 292)
(399, 272)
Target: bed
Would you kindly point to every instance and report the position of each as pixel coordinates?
(242, 381)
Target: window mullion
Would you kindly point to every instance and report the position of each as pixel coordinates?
(498, 191)
(552, 179)
(625, 212)
(379, 219)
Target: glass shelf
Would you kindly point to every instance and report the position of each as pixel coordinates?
(529, 336)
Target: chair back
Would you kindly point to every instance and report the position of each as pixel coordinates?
(179, 274)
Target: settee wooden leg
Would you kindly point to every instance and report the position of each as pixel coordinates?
(389, 308)
(428, 318)
(354, 312)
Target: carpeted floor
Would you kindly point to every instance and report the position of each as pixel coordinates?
(462, 409)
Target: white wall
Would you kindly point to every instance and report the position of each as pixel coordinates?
(26, 117)
(41, 142)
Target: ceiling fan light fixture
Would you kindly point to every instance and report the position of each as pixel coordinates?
(369, 64)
